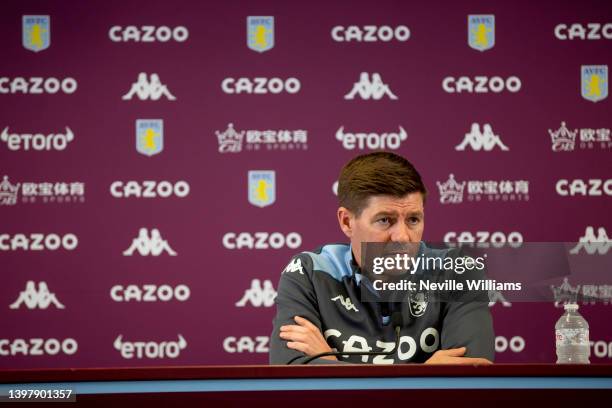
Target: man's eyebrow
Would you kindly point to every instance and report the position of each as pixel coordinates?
(385, 213)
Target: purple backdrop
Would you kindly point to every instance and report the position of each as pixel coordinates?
(73, 313)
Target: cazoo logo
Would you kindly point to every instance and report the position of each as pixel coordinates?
(261, 240)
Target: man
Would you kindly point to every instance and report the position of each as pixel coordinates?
(319, 303)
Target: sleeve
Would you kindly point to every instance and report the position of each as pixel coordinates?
(295, 297)
(469, 324)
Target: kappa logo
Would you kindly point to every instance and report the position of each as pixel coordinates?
(260, 33)
(151, 88)
(368, 88)
(478, 140)
(36, 32)
(294, 266)
(257, 295)
(481, 31)
(594, 82)
(36, 299)
(418, 303)
(146, 244)
(262, 187)
(149, 136)
(36, 141)
(496, 296)
(593, 243)
(149, 349)
(346, 302)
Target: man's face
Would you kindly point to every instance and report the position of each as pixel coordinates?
(385, 219)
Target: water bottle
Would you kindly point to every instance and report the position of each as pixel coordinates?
(572, 334)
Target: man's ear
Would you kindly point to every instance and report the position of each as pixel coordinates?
(345, 220)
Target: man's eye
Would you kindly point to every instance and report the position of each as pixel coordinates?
(384, 220)
(414, 220)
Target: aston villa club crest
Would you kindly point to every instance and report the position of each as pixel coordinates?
(260, 33)
(481, 31)
(418, 303)
(149, 136)
(36, 32)
(594, 82)
(262, 187)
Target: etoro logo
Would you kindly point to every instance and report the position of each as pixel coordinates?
(362, 140)
(149, 349)
(36, 141)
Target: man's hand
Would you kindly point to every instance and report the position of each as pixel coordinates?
(305, 337)
(455, 356)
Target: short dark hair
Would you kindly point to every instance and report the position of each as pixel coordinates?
(378, 173)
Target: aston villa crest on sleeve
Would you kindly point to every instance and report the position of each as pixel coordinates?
(594, 82)
(481, 31)
(260, 33)
(36, 32)
(149, 136)
(262, 187)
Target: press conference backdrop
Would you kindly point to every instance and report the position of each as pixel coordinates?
(162, 161)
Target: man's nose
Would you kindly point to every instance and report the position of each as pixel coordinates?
(401, 233)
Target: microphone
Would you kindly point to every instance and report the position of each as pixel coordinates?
(396, 322)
